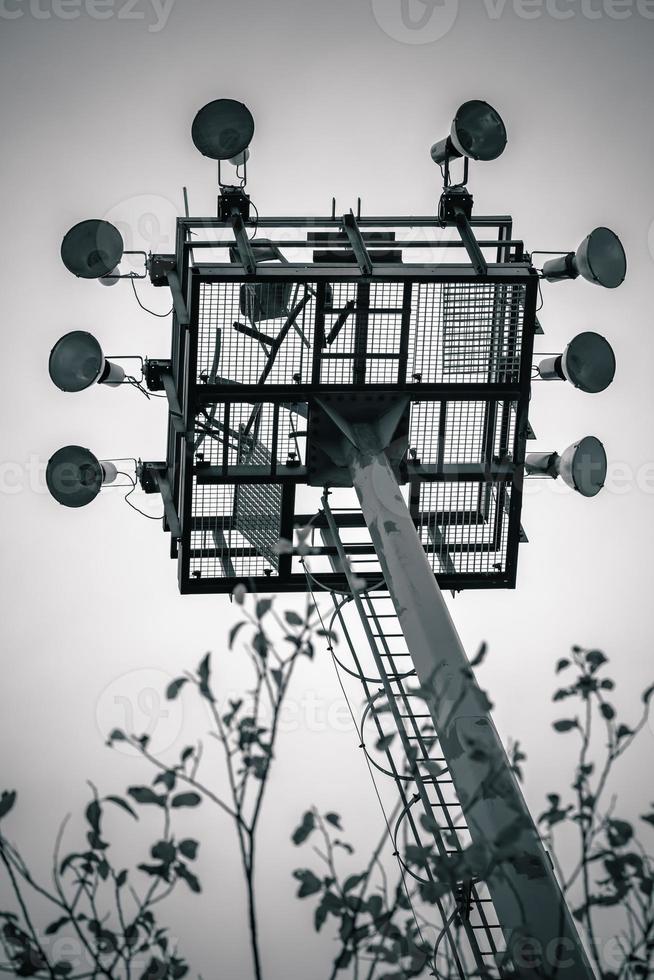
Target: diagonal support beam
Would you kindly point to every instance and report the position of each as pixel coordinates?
(245, 250)
(358, 245)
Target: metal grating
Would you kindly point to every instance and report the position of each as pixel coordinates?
(457, 332)
(464, 526)
(465, 332)
(241, 353)
(235, 530)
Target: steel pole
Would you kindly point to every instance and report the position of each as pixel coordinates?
(539, 931)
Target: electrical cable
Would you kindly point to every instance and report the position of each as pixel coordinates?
(131, 380)
(129, 502)
(256, 224)
(151, 312)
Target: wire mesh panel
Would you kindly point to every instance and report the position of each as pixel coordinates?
(235, 532)
(254, 333)
(466, 332)
(464, 526)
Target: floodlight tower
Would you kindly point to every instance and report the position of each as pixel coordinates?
(324, 361)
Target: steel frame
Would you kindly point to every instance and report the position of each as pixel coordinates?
(506, 402)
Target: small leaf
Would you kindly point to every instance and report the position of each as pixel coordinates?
(309, 884)
(175, 687)
(189, 848)
(117, 735)
(353, 881)
(595, 659)
(186, 799)
(334, 820)
(233, 633)
(619, 832)
(262, 607)
(156, 970)
(375, 905)
(155, 870)
(260, 644)
(7, 801)
(342, 961)
(56, 925)
(143, 794)
(62, 968)
(292, 618)
(93, 814)
(565, 725)
(204, 672)
(301, 833)
(167, 778)
(188, 876)
(481, 654)
(608, 711)
(562, 664)
(319, 917)
(164, 851)
(123, 804)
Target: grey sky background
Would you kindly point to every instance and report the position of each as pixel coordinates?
(96, 119)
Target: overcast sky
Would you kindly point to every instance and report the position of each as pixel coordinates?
(347, 98)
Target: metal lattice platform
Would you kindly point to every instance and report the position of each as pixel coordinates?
(260, 354)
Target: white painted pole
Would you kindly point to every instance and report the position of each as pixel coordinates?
(539, 930)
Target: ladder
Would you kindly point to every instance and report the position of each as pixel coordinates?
(430, 816)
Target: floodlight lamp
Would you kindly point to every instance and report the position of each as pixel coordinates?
(92, 249)
(112, 278)
(600, 259)
(582, 466)
(240, 158)
(478, 132)
(588, 363)
(223, 129)
(77, 362)
(74, 476)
